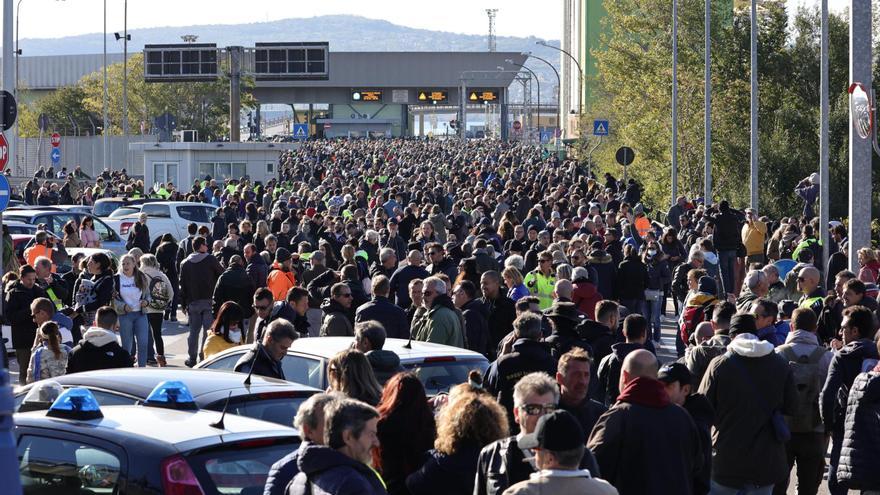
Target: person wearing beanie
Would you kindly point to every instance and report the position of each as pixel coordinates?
(750, 387)
(808, 190)
(281, 279)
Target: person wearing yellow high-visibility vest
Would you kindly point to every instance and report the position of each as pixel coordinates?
(52, 283)
(808, 284)
(541, 280)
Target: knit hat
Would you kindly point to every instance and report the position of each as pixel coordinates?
(282, 255)
(742, 323)
(707, 285)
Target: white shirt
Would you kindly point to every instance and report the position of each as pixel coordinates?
(129, 292)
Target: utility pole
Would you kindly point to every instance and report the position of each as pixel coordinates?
(824, 176)
(106, 119)
(753, 161)
(860, 149)
(234, 93)
(492, 13)
(125, 73)
(707, 117)
(674, 101)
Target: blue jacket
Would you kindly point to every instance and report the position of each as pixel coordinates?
(333, 473)
(845, 366)
(391, 316)
(282, 472)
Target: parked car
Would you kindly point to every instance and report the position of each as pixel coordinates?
(438, 366)
(268, 399)
(105, 206)
(55, 220)
(123, 211)
(16, 227)
(166, 216)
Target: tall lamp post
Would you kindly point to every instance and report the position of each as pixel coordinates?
(511, 62)
(104, 131)
(558, 89)
(580, 73)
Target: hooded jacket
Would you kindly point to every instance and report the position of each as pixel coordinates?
(198, 276)
(99, 349)
(845, 366)
(335, 322)
(861, 442)
(280, 281)
(235, 285)
(697, 358)
(325, 471)
(746, 386)
(258, 270)
(642, 423)
(385, 364)
(440, 324)
(609, 370)
(528, 356)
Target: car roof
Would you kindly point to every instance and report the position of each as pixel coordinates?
(406, 350)
(123, 198)
(202, 384)
(183, 203)
(36, 211)
(184, 430)
(17, 223)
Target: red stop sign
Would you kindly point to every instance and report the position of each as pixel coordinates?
(517, 125)
(4, 152)
(56, 140)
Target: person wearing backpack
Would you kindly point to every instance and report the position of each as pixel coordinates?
(161, 293)
(858, 354)
(808, 361)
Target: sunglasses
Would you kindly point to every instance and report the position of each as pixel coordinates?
(537, 409)
(432, 253)
(261, 308)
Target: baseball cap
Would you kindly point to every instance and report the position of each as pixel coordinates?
(674, 372)
(557, 431)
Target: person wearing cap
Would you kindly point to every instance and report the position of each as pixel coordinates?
(281, 279)
(565, 320)
(644, 443)
(541, 280)
(754, 233)
(390, 238)
(679, 387)
(528, 355)
(199, 273)
(749, 386)
(697, 359)
(558, 444)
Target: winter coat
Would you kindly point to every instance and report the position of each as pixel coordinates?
(846, 364)
(49, 365)
(391, 316)
(235, 285)
(703, 415)
(745, 386)
(280, 281)
(518, 292)
(635, 274)
(446, 474)
(609, 370)
(385, 364)
(528, 356)
(658, 274)
(17, 311)
(440, 324)
(861, 440)
(283, 471)
(258, 359)
(325, 471)
(335, 322)
(697, 358)
(257, 270)
(804, 343)
(642, 423)
(587, 412)
(92, 291)
(727, 231)
(476, 326)
(679, 281)
(502, 313)
(502, 464)
(447, 266)
(585, 297)
(139, 237)
(400, 283)
(198, 276)
(99, 349)
(161, 292)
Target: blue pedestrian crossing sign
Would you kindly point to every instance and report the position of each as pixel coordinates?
(5, 191)
(56, 156)
(600, 127)
(300, 131)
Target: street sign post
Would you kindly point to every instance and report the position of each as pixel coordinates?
(300, 131)
(56, 140)
(4, 152)
(625, 156)
(600, 128)
(56, 156)
(5, 191)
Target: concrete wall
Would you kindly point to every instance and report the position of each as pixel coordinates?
(87, 152)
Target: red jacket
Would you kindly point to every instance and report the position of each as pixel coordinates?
(585, 297)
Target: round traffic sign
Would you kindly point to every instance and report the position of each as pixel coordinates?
(4, 152)
(517, 125)
(56, 140)
(625, 156)
(8, 110)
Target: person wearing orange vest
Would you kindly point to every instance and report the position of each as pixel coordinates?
(642, 224)
(281, 279)
(41, 247)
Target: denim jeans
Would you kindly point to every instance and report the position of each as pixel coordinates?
(717, 489)
(634, 306)
(653, 308)
(200, 320)
(727, 267)
(134, 329)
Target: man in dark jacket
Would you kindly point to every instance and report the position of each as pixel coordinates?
(17, 309)
(697, 358)
(402, 277)
(476, 325)
(55, 287)
(857, 469)
(502, 463)
(857, 354)
(635, 332)
(606, 271)
(727, 240)
(256, 267)
(139, 237)
(234, 285)
(386, 264)
(500, 308)
(264, 358)
(680, 276)
(601, 334)
(642, 423)
(342, 466)
(565, 320)
(336, 321)
(440, 262)
(218, 224)
(573, 375)
(198, 277)
(529, 355)
(635, 273)
(381, 309)
(369, 338)
(747, 387)
(309, 421)
(99, 348)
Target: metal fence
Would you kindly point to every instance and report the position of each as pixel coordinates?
(85, 152)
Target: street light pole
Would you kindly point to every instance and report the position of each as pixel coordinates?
(558, 89)
(125, 74)
(824, 175)
(580, 74)
(674, 101)
(106, 144)
(754, 110)
(860, 149)
(511, 62)
(13, 150)
(707, 116)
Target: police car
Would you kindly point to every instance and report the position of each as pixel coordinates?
(166, 445)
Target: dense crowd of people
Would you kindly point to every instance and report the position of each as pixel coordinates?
(562, 280)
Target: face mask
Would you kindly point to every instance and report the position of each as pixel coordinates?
(235, 335)
(652, 252)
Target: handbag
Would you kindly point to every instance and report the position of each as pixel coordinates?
(777, 420)
(653, 294)
(116, 300)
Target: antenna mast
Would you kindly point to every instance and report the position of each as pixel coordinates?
(491, 13)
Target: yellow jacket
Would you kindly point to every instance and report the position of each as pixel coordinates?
(214, 344)
(541, 286)
(753, 234)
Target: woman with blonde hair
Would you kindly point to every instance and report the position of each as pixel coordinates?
(468, 422)
(513, 279)
(350, 372)
(131, 295)
(870, 266)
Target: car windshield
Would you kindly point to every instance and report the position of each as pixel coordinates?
(439, 376)
(240, 467)
(121, 212)
(104, 208)
(274, 407)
